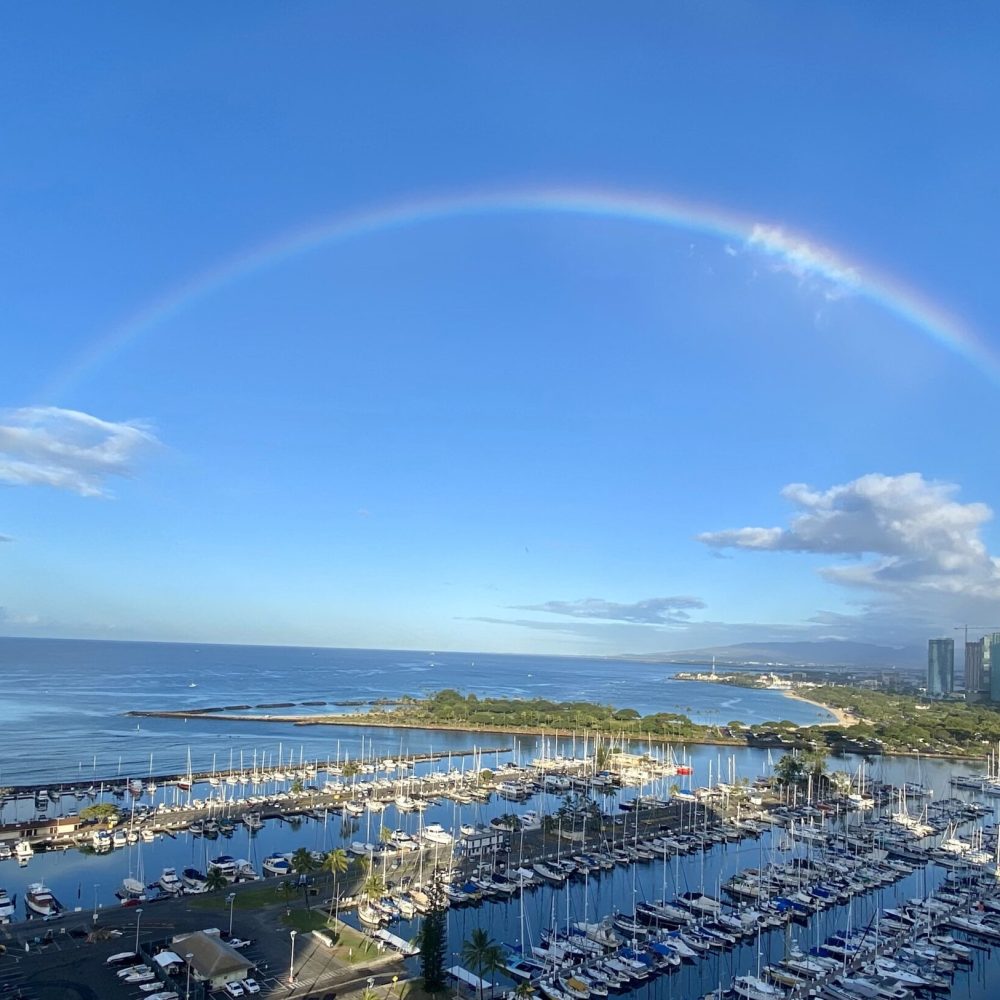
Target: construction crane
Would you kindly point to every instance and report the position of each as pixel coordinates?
(975, 628)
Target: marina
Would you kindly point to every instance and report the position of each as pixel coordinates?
(671, 850)
(669, 871)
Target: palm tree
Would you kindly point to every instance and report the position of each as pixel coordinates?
(303, 863)
(215, 880)
(374, 886)
(523, 990)
(335, 863)
(482, 954)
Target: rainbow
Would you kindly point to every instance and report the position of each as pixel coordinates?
(799, 255)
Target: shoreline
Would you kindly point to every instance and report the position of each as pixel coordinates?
(381, 723)
(841, 717)
(365, 720)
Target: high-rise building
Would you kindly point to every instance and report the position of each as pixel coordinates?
(974, 677)
(941, 667)
(992, 644)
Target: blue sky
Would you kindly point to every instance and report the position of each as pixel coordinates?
(500, 428)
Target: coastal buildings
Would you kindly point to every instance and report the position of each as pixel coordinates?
(941, 667)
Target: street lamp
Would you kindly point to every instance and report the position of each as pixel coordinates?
(138, 916)
(97, 886)
(231, 899)
(187, 990)
(291, 967)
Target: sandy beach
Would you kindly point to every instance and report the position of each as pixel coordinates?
(842, 716)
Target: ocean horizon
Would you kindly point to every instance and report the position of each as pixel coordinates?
(76, 693)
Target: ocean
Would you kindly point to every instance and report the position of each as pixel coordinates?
(64, 701)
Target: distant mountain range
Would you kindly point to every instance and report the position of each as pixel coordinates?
(823, 653)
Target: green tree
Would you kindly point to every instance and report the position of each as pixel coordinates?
(303, 864)
(482, 955)
(374, 886)
(335, 863)
(433, 938)
(789, 769)
(214, 880)
(626, 715)
(814, 766)
(102, 812)
(350, 768)
(297, 787)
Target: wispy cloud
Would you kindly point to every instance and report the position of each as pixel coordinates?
(68, 449)
(651, 611)
(806, 261)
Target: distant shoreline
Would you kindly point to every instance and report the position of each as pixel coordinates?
(841, 716)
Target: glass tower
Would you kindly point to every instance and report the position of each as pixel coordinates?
(941, 667)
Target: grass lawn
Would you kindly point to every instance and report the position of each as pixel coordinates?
(304, 920)
(246, 899)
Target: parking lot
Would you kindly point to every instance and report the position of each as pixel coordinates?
(60, 960)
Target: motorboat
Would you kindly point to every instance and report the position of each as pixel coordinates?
(40, 900)
(276, 864)
(194, 880)
(245, 871)
(6, 907)
(225, 865)
(435, 833)
(170, 883)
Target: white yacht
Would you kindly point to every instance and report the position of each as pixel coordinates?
(276, 864)
(170, 883)
(6, 907)
(225, 865)
(435, 833)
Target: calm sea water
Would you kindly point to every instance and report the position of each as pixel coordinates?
(63, 702)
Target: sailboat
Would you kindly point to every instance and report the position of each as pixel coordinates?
(133, 890)
(185, 783)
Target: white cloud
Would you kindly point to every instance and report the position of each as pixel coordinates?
(68, 449)
(806, 261)
(921, 540)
